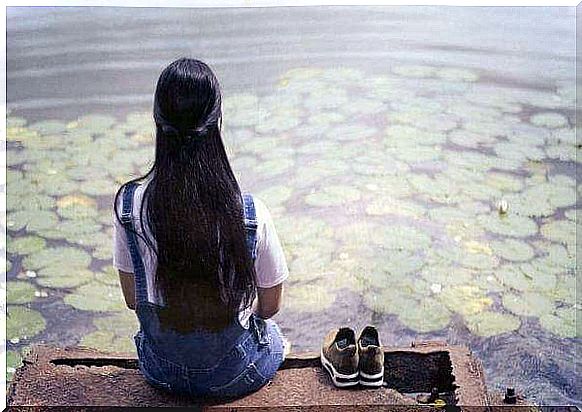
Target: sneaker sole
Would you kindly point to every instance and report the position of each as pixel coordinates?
(376, 380)
(340, 380)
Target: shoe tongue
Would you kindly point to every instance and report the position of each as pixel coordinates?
(343, 343)
(368, 341)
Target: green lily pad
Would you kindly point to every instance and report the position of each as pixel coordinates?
(526, 277)
(109, 276)
(33, 220)
(26, 245)
(527, 304)
(15, 121)
(465, 299)
(561, 231)
(98, 187)
(386, 301)
(48, 127)
(309, 298)
(274, 167)
(562, 322)
(23, 323)
(414, 71)
(275, 195)
(471, 139)
(510, 225)
(96, 123)
(19, 292)
(65, 257)
(550, 120)
(62, 276)
(457, 74)
(351, 132)
(13, 362)
(487, 324)
(114, 333)
(389, 206)
(96, 297)
(332, 196)
(513, 250)
(425, 316)
(27, 201)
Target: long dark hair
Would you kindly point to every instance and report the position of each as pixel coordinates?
(193, 206)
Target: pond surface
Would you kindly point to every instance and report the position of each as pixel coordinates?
(384, 141)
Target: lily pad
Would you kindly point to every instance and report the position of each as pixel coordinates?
(65, 257)
(332, 196)
(309, 298)
(19, 292)
(550, 120)
(23, 323)
(465, 299)
(13, 362)
(487, 324)
(513, 250)
(527, 304)
(562, 231)
(510, 225)
(562, 322)
(48, 127)
(425, 316)
(96, 297)
(457, 74)
(63, 276)
(414, 71)
(275, 195)
(26, 245)
(33, 220)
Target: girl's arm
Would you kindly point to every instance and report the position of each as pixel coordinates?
(268, 301)
(128, 288)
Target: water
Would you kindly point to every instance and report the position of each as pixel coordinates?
(381, 138)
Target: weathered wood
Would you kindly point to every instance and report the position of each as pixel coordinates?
(79, 376)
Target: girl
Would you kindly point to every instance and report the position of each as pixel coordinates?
(200, 263)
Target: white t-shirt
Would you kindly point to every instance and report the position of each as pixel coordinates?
(270, 264)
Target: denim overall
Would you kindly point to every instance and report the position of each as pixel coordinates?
(230, 363)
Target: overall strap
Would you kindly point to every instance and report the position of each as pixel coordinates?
(138, 266)
(250, 224)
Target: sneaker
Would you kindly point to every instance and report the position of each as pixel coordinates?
(371, 358)
(339, 357)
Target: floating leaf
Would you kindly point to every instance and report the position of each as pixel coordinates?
(425, 316)
(33, 221)
(275, 195)
(13, 362)
(551, 120)
(66, 257)
(23, 323)
(562, 231)
(513, 250)
(464, 299)
(332, 196)
(63, 276)
(562, 322)
(19, 292)
(48, 127)
(488, 324)
(527, 304)
(309, 298)
(508, 225)
(26, 245)
(96, 297)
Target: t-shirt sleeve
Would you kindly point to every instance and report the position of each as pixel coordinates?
(270, 264)
(121, 257)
